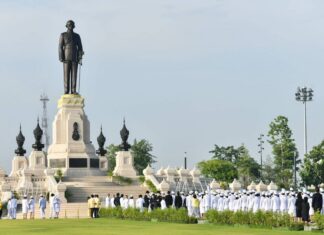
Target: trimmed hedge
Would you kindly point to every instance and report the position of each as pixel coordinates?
(167, 215)
(258, 219)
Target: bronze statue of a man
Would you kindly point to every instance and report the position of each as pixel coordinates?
(70, 53)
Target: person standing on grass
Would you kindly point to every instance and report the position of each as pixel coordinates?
(195, 206)
(146, 199)
(31, 207)
(42, 206)
(14, 207)
(57, 206)
(91, 204)
(168, 199)
(117, 200)
(107, 201)
(178, 201)
(131, 202)
(24, 206)
(97, 204)
(51, 202)
(305, 210)
(317, 202)
(140, 203)
(298, 206)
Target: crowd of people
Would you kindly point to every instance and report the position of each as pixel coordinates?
(300, 205)
(28, 206)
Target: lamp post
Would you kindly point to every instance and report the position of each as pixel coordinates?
(260, 145)
(304, 95)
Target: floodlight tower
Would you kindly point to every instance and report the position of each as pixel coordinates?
(304, 95)
(260, 145)
(44, 99)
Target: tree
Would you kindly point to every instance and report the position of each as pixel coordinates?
(111, 156)
(218, 169)
(248, 169)
(284, 150)
(268, 172)
(312, 172)
(229, 153)
(142, 155)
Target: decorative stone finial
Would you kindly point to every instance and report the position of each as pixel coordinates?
(20, 139)
(101, 142)
(124, 133)
(38, 133)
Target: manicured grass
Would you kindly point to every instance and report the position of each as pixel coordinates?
(125, 227)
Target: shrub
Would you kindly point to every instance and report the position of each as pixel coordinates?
(141, 179)
(168, 215)
(151, 186)
(260, 218)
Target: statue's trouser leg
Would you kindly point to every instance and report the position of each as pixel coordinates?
(74, 77)
(67, 73)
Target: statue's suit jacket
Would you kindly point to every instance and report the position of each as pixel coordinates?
(70, 47)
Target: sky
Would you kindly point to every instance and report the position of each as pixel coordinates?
(186, 74)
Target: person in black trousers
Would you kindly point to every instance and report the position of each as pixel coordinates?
(305, 210)
(178, 201)
(317, 201)
(298, 205)
(117, 200)
(168, 200)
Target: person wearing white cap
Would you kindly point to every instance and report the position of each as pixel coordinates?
(31, 207)
(107, 201)
(268, 203)
(202, 208)
(256, 203)
(244, 202)
(13, 207)
(24, 206)
(291, 205)
(283, 203)
(220, 203)
(57, 206)
(189, 203)
(42, 206)
(275, 203)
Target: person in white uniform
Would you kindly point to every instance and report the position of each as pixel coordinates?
(31, 207)
(42, 206)
(107, 201)
(275, 203)
(140, 203)
(13, 207)
(57, 206)
(24, 206)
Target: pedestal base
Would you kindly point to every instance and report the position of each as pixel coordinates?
(124, 164)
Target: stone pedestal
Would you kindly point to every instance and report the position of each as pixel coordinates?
(18, 163)
(37, 161)
(124, 164)
(72, 150)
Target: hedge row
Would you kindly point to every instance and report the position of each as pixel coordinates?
(167, 215)
(258, 219)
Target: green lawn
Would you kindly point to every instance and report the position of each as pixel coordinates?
(121, 227)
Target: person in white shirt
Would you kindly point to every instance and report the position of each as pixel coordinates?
(131, 202)
(107, 201)
(220, 203)
(125, 202)
(275, 203)
(283, 203)
(42, 206)
(189, 203)
(291, 205)
(51, 202)
(244, 201)
(163, 204)
(112, 204)
(24, 206)
(268, 205)
(57, 206)
(31, 207)
(256, 203)
(13, 207)
(140, 203)
(202, 208)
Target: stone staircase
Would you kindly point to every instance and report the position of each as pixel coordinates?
(68, 210)
(81, 188)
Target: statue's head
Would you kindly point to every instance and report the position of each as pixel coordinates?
(70, 25)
